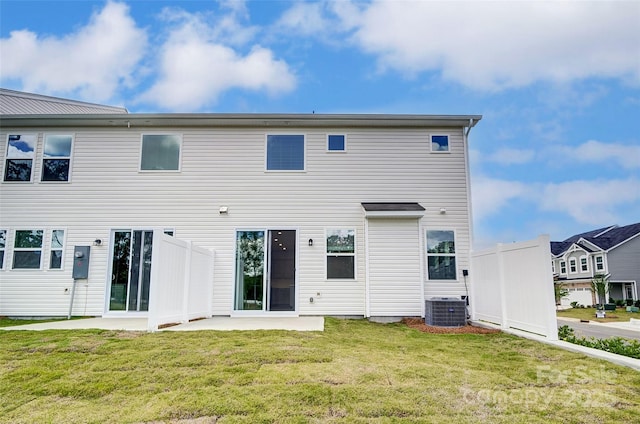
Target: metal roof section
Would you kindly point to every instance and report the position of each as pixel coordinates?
(217, 120)
(20, 103)
(393, 210)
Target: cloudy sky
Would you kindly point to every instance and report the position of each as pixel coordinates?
(558, 83)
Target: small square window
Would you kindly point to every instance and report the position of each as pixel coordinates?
(285, 152)
(336, 143)
(439, 143)
(56, 159)
(21, 151)
(160, 152)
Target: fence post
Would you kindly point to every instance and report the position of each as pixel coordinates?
(504, 315)
(187, 283)
(550, 310)
(154, 289)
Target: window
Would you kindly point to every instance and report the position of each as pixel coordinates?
(553, 267)
(56, 159)
(341, 254)
(21, 150)
(583, 264)
(3, 243)
(285, 152)
(441, 258)
(27, 252)
(57, 249)
(439, 143)
(599, 263)
(563, 267)
(160, 152)
(336, 143)
(573, 268)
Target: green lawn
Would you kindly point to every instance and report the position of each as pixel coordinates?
(354, 372)
(619, 315)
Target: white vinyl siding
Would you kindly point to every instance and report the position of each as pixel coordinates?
(226, 167)
(394, 267)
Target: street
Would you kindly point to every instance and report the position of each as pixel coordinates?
(600, 331)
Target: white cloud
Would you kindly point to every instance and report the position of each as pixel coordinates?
(509, 156)
(590, 202)
(90, 63)
(491, 195)
(496, 45)
(197, 64)
(593, 151)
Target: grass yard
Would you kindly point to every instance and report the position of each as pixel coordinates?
(354, 372)
(619, 315)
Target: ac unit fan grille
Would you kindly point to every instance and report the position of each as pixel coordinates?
(446, 312)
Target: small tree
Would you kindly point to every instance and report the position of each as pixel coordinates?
(600, 286)
(560, 291)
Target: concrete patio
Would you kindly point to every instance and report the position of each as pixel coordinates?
(315, 323)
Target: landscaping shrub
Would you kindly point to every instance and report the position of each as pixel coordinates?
(617, 345)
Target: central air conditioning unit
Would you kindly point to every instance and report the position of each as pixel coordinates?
(445, 312)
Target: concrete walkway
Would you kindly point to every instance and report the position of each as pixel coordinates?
(216, 323)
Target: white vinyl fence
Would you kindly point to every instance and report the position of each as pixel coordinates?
(181, 282)
(512, 285)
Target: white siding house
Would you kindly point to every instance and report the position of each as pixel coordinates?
(348, 215)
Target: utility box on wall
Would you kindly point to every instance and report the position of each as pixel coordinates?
(81, 262)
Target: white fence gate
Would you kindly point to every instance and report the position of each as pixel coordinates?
(181, 281)
(512, 285)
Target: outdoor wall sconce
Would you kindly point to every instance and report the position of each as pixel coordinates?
(224, 210)
(310, 242)
(97, 242)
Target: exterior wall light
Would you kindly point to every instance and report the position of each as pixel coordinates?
(224, 210)
(310, 242)
(97, 242)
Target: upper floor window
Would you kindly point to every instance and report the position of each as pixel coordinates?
(160, 152)
(3, 244)
(553, 267)
(439, 143)
(583, 264)
(573, 267)
(563, 267)
(441, 255)
(336, 143)
(285, 152)
(27, 252)
(599, 263)
(56, 159)
(341, 254)
(57, 249)
(21, 152)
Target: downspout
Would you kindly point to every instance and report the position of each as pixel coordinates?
(465, 139)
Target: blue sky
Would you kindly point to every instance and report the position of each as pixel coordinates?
(558, 83)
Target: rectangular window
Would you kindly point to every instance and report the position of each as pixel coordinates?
(56, 159)
(3, 244)
(57, 249)
(336, 143)
(160, 152)
(21, 151)
(599, 263)
(553, 267)
(441, 255)
(341, 253)
(285, 152)
(573, 267)
(27, 252)
(583, 264)
(563, 267)
(440, 143)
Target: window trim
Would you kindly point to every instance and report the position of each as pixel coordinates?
(553, 266)
(601, 268)
(563, 266)
(454, 255)
(585, 265)
(304, 152)
(440, 135)
(344, 136)
(156, 171)
(3, 249)
(61, 249)
(69, 158)
(33, 159)
(573, 266)
(327, 253)
(27, 249)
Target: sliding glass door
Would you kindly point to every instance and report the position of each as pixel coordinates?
(130, 271)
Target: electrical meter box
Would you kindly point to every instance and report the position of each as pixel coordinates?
(81, 262)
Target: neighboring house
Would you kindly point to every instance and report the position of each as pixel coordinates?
(348, 215)
(612, 251)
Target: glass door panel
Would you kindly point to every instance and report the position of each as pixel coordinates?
(249, 270)
(282, 270)
(131, 271)
(120, 271)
